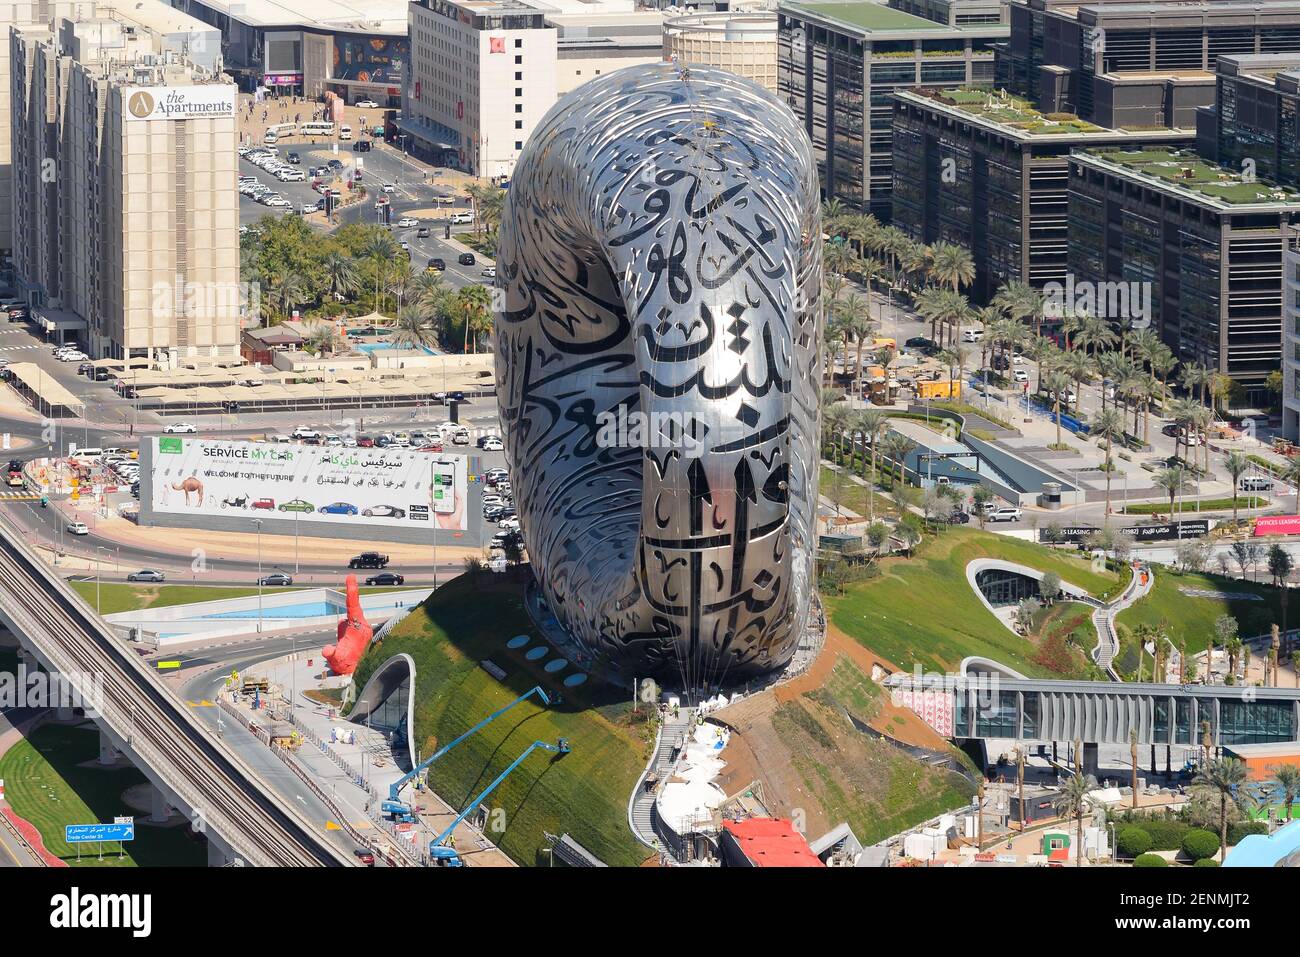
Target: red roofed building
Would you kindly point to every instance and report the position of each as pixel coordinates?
(765, 842)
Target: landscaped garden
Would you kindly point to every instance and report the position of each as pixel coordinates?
(923, 610)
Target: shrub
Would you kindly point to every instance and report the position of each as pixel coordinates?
(1240, 829)
(1150, 860)
(1198, 844)
(1166, 835)
(1133, 841)
(1206, 862)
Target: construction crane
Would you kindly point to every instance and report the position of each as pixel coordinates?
(399, 809)
(446, 856)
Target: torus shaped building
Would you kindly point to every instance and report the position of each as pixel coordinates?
(657, 339)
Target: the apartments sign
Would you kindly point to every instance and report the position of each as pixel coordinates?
(179, 102)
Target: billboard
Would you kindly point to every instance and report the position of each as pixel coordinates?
(179, 102)
(397, 488)
(370, 59)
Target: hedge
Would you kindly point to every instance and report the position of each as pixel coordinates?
(1150, 860)
(1206, 862)
(1199, 844)
(1166, 835)
(1133, 841)
(1241, 829)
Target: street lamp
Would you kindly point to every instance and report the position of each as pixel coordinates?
(257, 522)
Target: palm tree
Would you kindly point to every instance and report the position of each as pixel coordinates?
(471, 308)
(833, 216)
(952, 266)
(1056, 382)
(896, 447)
(1223, 779)
(413, 330)
(340, 275)
(1108, 427)
(1133, 744)
(1078, 366)
(1020, 301)
(379, 249)
(1173, 480)
(399, 281)
(322, 338)
(1286, 782)
(872, 424)
(283, 291)
(1183, 412)
(854, 312)
(1237, 465)
(835, 421)
(1041, 350)
(1072, 802)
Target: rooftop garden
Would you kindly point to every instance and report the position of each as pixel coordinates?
(998, 106)
(1184, 168)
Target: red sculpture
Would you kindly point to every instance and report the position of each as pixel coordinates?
(354, 635)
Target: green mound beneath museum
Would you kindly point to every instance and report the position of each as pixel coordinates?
(584, 793)
(923, 610)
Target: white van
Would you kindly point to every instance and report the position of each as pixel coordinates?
(461, 219)
(972, 335)
(1256, 483)
(271, 136)
(345, 132)
(87, 454)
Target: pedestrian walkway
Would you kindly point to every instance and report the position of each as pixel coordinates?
(669, 745)
(1103, 619)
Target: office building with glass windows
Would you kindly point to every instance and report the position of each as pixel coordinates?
(838, 66)
(1209, 242)
(990, 173)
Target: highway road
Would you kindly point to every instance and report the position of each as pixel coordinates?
(415, 188)
(158, 727)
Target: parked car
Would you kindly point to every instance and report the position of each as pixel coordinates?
(180, 428)
(146, 575)
(386, 578)
(277, 579)
(366, 104)
(1256, 483)
(1004, 513)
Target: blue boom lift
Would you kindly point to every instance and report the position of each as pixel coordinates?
(399, 809)
(445, 856)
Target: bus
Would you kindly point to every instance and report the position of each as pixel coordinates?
(279, 131)
(318, 128)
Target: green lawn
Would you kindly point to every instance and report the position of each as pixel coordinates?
(878, 789)
(923, 610)
(585, 792)
(45, 784)
(117, 597)
(1191, 618)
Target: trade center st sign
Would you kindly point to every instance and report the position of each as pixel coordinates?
(203, 101)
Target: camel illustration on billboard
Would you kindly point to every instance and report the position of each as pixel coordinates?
(191, 484)
(354, 635)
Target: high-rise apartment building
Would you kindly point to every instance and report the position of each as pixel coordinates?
(124, 184)
(483, 74)
(26, 14)
(838, 66)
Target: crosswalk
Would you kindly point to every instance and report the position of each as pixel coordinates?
(18, 348)
(18, 497)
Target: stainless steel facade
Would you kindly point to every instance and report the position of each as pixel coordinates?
(657, 349)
